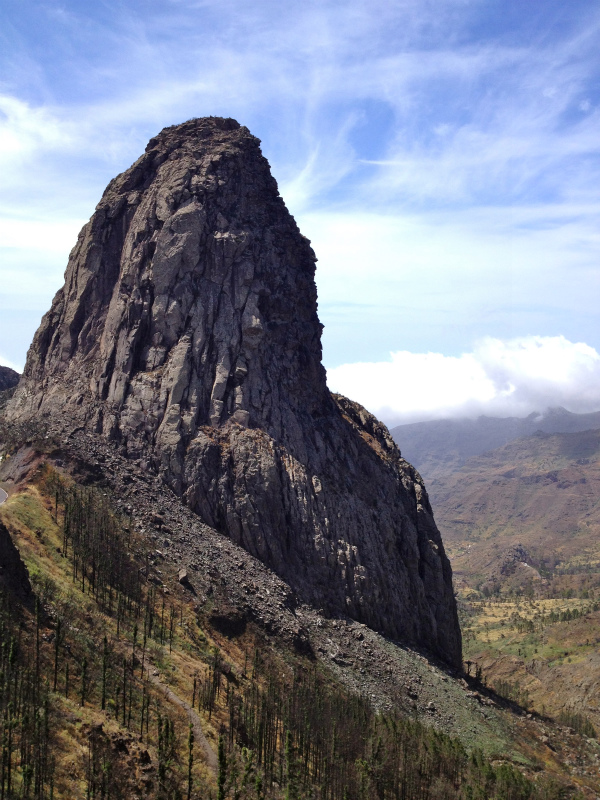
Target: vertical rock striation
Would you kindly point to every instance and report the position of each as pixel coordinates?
(187, 333)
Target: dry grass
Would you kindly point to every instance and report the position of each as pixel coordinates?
(29, 516)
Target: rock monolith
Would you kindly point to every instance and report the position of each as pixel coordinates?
(187, 333)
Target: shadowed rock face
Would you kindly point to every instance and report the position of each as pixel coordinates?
(8, 378)
(13, 572)
(187, 333)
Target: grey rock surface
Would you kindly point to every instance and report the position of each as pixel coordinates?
(187, 335)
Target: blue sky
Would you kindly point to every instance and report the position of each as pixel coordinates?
(443, 157)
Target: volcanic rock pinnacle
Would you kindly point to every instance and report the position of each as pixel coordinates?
(187, 333)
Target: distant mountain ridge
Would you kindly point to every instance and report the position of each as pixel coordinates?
(539, 492)
(521, 525)
(442, 446)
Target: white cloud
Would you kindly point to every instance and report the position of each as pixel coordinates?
(26, 131)
(499, 378)
(6, 362)
(35, 234)
(440, 280)
(24, 126)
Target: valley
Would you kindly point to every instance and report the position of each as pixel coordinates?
(521, 524)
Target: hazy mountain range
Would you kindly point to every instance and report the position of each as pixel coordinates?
(441, 446)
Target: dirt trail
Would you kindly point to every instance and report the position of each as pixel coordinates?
(199, 737)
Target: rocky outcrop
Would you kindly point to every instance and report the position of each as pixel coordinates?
(187, 334)
(8, 378)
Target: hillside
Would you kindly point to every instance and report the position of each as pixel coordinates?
(234, 585)
(541, 493)
(522, 527)
(221, 646)
(8, 383)
(8, 378)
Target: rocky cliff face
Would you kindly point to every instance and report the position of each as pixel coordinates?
(187, 333)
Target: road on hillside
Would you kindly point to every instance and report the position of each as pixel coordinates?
(3, 496)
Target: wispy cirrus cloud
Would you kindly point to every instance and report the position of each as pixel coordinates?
(443, 156)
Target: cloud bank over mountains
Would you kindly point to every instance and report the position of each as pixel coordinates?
(499, 378)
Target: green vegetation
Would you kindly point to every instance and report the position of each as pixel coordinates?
(516, 638)
(51, 661)
(319, 741)
(524, 627)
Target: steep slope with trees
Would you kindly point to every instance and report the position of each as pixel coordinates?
(127, 678)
